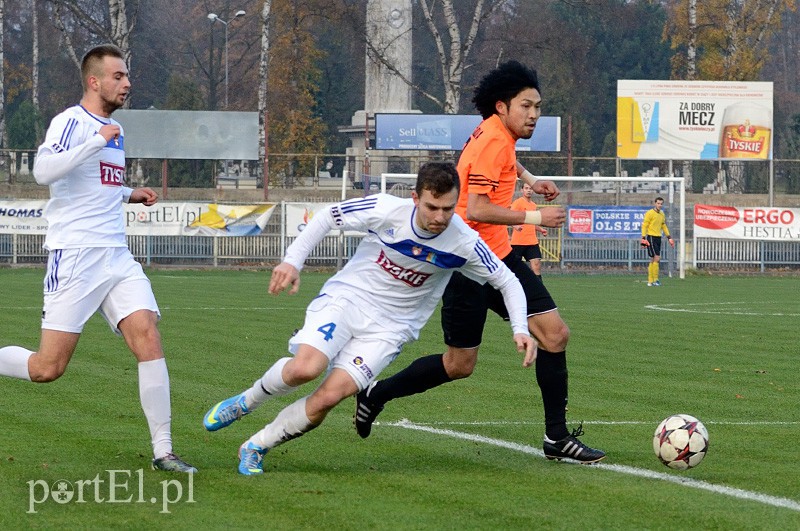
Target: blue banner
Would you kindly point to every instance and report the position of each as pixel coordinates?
(449, 132)
(605, 221)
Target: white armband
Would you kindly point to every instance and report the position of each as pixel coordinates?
(533, 217)
(528, 177)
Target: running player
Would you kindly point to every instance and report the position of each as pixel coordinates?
(509, 101)
(366, 312)
(90, 267)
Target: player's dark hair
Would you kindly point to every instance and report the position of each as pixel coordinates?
(437, 177)
(503, 84)
(658, 199)
(94, 57)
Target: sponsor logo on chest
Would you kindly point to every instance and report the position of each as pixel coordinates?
(413, 278)
(111, 174)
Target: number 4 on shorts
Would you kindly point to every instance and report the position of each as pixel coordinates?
(327, 330)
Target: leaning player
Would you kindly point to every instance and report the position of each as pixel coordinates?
(509, 101)
(654, 222)
(367, 311)
(90, 267)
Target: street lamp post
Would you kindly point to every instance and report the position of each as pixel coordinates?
(214, 18)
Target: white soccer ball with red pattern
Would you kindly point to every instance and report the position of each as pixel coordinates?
(681, 441)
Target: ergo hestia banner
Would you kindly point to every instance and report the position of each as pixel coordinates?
(757, 223)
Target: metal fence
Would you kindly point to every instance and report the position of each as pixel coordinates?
(563, 251)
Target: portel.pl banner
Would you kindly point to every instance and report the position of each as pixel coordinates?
(162, 219)
(694, 120)
(757, 223)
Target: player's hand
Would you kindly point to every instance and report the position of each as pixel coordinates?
(517, 227)
(283, 276)
(671, 242)
(541, 230)
(553, 217)
(546, 188)
(645, 243)
(146, 196)
(109, 132)
(529, 346)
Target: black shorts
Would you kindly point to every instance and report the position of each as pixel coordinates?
(466, 303)
(654, 249)
(528, 252)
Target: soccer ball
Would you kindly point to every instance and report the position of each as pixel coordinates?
(680, 441)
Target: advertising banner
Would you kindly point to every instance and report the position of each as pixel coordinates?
(162, 219)
(22, 217)
(605, 221)
(449, 132)
(694, 120)
(758, 223)
(299, 214)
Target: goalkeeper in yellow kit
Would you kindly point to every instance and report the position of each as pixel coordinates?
(654, 222)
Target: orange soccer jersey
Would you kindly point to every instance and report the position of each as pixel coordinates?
(524, 234)
(488, 166)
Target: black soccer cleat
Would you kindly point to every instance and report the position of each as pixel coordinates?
(571, 448)
(366, 412)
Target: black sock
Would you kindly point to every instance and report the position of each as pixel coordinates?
(551, 375)
(422, 374)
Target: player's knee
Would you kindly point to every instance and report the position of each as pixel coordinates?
(325, 400)
(46, 373)
(298, 372)
(555, 339)
(459, 364)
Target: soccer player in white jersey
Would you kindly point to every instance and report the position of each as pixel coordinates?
(90, 267)
(366, 312)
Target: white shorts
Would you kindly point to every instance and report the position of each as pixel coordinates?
(349, 337)
(80, 282)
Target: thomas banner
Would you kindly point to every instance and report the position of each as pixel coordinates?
(22, 217)
(605, 221)
(759, 223)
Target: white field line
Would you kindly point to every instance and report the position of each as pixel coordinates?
(604, 423)
(182, 308)
(726, 308)
(784, 503)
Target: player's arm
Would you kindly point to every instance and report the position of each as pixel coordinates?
(146, 196)
(645, 224)
(54, 161)
(481, 209)
(287, 273)
(548, 189)
(666, 232)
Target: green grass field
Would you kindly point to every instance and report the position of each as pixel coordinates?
(723, 349)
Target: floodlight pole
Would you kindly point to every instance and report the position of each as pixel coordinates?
(214, 18)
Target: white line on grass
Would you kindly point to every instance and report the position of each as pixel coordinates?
(728, 308)
(784, 503)
(609, 423)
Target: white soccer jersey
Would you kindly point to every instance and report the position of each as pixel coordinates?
(400, 271)
(86, 175)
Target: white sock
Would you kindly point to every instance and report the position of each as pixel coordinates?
(14, 362)
(154, 395)
(290, 423)
(269, 385)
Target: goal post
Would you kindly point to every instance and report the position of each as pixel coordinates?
(681, 189)
(401, 184)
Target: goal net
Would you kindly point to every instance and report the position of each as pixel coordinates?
(604, 216)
